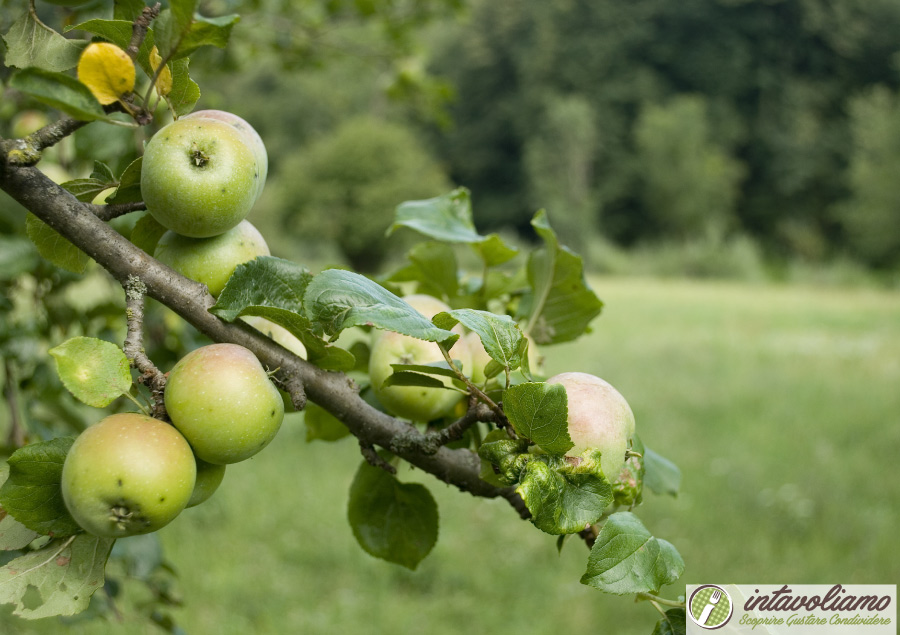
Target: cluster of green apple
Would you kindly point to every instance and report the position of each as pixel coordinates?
(598, 415)
(200, 177)
(132, 474)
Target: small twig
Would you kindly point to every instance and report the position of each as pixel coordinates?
(109, 212)
(477, 411)
(655, 599)
(374, 459)
(151, 376)
(294, 387)
(139, 29)
(27, 151)
(16, 436)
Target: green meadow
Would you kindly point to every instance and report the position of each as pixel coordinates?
(781, 405)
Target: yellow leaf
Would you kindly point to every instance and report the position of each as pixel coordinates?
(107, 71)
(164, 81)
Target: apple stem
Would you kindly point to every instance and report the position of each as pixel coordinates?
(475, 390)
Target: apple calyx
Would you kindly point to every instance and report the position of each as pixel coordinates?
(198, 156)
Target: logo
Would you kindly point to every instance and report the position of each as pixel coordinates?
(710, 606)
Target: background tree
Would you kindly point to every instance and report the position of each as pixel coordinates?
(344, 187)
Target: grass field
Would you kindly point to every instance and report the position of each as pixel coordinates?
(781, 406)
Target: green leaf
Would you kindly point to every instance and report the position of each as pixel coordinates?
(565, 495)
(13, 534)
(627, 559)
(561, 305)
(179, 31)
(59, 91)
(273, 288)
(146, 233)
(673, 623)
(30, 43)
(322, 425)
(436, 268)
(662, 476)
(539, 411)
(447, 218)
(52, 246)
(500, 335)
(58, 579)
(129, 189)
(337, 299)
(85, 190)
(103, 172)
(494, 251)
(264, 282)
(406, 378)
(95, 371)
(508, 456)
(440, 368)
(128, 10)
(17, 255)
(185, 92)
(32, 493)
(395, 521)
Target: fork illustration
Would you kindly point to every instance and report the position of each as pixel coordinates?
(713, 600)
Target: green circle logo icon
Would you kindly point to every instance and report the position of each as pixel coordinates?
(710, 606)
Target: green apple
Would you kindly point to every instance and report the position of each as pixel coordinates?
(211, 260)
(221, 399)
(28, 121)
(54, 172)
(250, 136)
(199, 177)
(128, 474)
(599, 417)
(414, 402)
(209, 477)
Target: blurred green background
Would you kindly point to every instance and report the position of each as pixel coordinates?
(728, 168)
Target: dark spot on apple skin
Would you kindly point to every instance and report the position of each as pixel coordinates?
(119, 483)
(162, 499)
(223, 190)
(273, 413)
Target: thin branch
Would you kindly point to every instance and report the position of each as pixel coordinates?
(109, 212)
(476, 412)
(374, 459)
(151, 376)
(139, 30)
(663, 601)
(294, 387)
(27, 151)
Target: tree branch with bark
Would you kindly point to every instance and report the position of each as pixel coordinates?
(334, 391)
